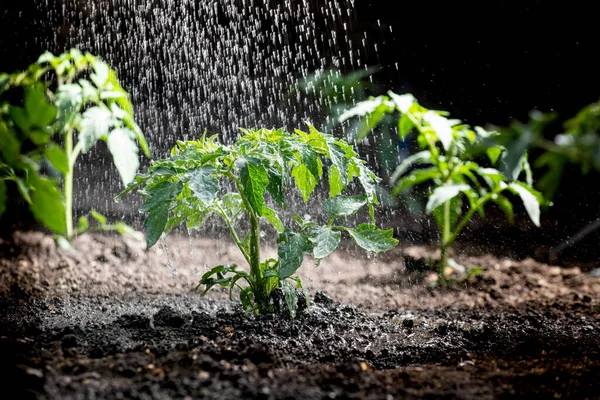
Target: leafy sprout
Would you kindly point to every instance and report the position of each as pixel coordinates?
(250, 180)
(449, 161)
(57, 109)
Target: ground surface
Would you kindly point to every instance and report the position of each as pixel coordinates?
(116, 321)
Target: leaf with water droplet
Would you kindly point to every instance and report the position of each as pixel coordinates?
(373, 239)
(122, 146)
(204, 184)
(325, 241)
(155, 223)
(530, 198)
(271, 215)
(291, 249)
(160, 194)
(95, 125)
(305, 180)
(253, 177)
(444, 193)
(344, 205)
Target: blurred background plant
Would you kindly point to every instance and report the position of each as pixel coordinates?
(50, 113)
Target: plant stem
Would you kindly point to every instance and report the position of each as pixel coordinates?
(446, 241)
(68, 184)
(260, 295)
(234, 234)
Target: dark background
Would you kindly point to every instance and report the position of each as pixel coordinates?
(485, 63)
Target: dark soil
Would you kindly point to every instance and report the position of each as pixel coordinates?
(112, 321)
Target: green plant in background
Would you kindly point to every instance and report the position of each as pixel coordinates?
(203, 178)
(448, 160)
(579, 143)
(51, 113)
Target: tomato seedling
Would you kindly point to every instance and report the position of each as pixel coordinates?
(58, 108)
(449, 160)
(204, 177)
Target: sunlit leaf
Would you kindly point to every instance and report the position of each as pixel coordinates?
(57, 158)
(291, 249)
(530, 201)
(444, 193)
(48, 205)
(95, 125)
(155, 223)
(344, 205)
(204, 184)
(373, 239)
(305, 180)
(325, 241)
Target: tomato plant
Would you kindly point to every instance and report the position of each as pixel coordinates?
(251, 179)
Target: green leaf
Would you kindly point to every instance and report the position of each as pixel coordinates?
(444, 193)
(254, 180)
(335, 182)
(57, 158)
(41, 113)
(291, 297)
(405, 125)
(19, 115)
(402, 102)
(506, 206)
(69, 99)
(339, 159)
(96, 124)
(101, 73)
(370, 121)
(124, 151)
(48, 205)
(373, 239)
(530, 201)
(197, 218)
(101, 219)
(362, 108)
(291, 250)
(325, 241)
(246, 296)
(3, 197)
(415, 178)
(10, 147)
(161, 194)
(46, 57)
(204, 184)
(305, 180)
(442, 127)
(275, 187)
(271, 215)
(420, 158)
(344, 205)
(311, 160)
(83, 225)
(155, 223)
(232, 202)
(493, 154)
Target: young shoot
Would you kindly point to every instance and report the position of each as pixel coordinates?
(449, 161)
(251, 179)
(59, 108)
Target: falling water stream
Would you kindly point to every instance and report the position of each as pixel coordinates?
(194, 65)
(205, 65)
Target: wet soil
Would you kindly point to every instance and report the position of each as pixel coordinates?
(113, 320)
